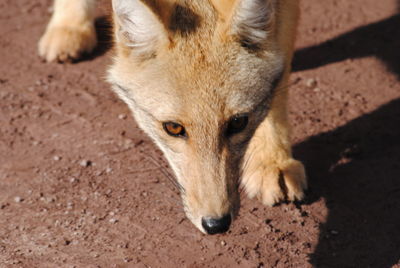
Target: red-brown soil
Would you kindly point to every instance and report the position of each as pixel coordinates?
(82, 186)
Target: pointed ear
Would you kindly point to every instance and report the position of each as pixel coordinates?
(138, 27)
(252, 22)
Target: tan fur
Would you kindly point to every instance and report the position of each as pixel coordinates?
(202, 63)
(70, 31)
(269, 153)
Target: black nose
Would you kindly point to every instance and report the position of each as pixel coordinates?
(216, 225)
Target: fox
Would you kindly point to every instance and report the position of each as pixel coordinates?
(207, 81)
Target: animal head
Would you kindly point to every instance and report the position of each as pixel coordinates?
(199, 77)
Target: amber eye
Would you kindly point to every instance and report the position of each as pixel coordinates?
(237, 124)
(174, 129)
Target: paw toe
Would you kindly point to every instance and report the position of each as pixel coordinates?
(65, 44)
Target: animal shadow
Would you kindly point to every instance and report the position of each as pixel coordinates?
(380, 39)
(356, 170)
(104, 39)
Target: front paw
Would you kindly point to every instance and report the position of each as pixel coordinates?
(65, 43)
(272, 183)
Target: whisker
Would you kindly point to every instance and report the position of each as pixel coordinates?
(280, 90)
(243, 168)
(164, 171)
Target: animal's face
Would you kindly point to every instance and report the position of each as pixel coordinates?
(199, 86)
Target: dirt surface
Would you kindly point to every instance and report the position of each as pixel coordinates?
(82, 186)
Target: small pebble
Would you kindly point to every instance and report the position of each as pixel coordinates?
(50, 199)
(334, 232)
(127, 259)
(122, 116)
(18, 199)
(85, 163)
(223, 243)
(113, 220)
(56, 158)
(311, 82)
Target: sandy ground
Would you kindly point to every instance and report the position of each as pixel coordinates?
(82, 186)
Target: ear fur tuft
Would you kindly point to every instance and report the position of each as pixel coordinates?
(138, 27)
(251, 22)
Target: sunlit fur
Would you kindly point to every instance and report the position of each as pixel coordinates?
(70, 32)
(199, 63)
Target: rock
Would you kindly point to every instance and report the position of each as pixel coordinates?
(18, 199)
(85, 163)
(122, 116)
(113, 220)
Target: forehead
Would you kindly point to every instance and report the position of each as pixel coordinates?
(227, 83)
(172, 87)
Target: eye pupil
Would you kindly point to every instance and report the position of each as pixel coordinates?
(174, 129)
(237, 124)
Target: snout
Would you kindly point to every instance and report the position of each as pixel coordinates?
(216, 225)
(210, 192)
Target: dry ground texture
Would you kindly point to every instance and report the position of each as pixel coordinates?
(82, 186)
